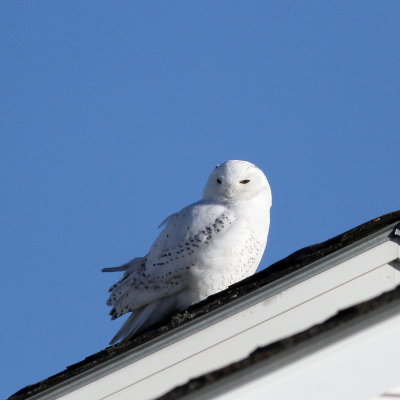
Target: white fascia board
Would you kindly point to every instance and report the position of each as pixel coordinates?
(274, 311)
(358, 367)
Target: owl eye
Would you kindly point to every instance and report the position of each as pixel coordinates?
(244, 181)
(219, 181)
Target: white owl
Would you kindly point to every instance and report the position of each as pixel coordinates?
(203, 249)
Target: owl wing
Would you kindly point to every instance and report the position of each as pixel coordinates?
(185, 241)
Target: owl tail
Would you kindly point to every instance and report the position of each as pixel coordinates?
(135, 321)
(148, 315)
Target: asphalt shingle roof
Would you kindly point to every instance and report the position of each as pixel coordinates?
(278, 270)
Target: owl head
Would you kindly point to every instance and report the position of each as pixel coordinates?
(236, 180)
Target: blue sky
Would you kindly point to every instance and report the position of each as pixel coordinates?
(113, 113)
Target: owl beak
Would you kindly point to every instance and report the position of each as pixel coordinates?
(228, 192)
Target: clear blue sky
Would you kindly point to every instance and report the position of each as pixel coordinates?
(113, 113)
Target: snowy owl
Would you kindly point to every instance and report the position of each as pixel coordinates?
(203, 249)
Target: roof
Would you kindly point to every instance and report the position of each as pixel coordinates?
(277, 271)
(239, 373)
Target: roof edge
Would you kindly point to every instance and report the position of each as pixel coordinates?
(284, 351)
(275, 272)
